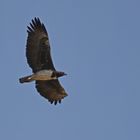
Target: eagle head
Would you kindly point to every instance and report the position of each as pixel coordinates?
(58, 74)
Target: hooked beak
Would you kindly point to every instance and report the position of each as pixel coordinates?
(65, 73)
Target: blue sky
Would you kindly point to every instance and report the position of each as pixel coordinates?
(97, 43)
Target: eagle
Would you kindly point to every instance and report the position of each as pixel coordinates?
(38, 54)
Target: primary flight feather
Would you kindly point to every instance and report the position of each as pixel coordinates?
(38, 53)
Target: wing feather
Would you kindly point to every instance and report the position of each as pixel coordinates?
(37, 50)
(51, 90)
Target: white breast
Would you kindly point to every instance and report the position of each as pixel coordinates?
(43, 75)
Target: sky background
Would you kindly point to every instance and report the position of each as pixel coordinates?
(97, 43)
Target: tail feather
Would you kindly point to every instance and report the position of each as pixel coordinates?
(25, 79)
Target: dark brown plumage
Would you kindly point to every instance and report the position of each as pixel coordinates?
(39, 58)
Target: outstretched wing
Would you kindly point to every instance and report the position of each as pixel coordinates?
(38, 47)
(51, 90)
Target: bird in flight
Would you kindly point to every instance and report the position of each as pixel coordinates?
(38, 53)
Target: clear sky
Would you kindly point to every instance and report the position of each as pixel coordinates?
(97, 42)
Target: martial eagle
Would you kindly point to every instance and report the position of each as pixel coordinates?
(39, 59)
